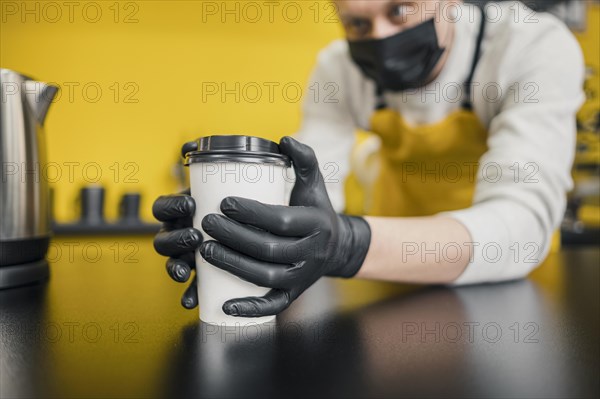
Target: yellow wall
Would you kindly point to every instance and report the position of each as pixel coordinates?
(167, 54)
(590, 44)
(588, 143)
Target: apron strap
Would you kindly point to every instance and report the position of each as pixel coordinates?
(467, 102)
(380, 102)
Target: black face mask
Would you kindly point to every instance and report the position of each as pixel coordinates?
(399, 62)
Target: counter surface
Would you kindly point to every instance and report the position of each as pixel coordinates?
(109, 324)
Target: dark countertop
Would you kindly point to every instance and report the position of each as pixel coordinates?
(109, 324)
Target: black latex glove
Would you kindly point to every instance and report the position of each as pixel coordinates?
(177, 239)
(286, 248)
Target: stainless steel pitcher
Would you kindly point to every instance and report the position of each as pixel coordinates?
(24, 191)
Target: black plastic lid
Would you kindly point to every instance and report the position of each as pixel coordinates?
(236, 149)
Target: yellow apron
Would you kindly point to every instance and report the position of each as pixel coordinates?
(426, 169)
(432, 168)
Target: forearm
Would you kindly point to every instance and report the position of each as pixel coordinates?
(433, 249)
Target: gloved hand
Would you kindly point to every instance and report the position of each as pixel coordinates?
(177, 239)
(286, 248)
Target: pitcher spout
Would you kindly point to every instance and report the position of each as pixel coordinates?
(40, 96)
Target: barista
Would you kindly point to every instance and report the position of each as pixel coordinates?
(475, 112)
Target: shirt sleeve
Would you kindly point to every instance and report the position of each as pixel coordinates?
(327, 123)
(523, 178)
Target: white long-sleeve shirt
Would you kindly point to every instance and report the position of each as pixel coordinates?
(528, 86)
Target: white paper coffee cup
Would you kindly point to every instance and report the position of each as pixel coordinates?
(223, 166)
